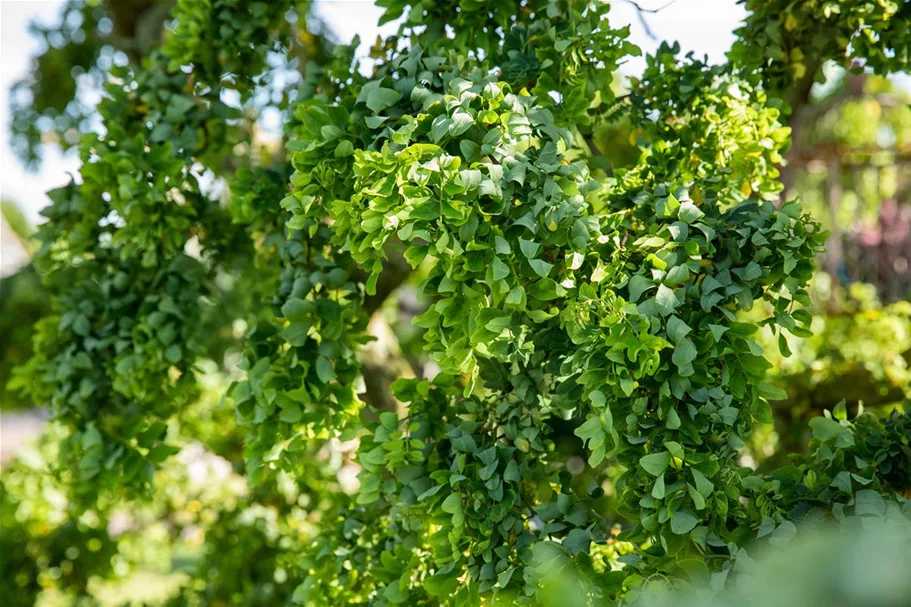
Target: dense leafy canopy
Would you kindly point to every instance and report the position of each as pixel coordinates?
(572, 308)
(784, 42)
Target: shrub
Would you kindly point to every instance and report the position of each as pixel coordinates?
(584, 321)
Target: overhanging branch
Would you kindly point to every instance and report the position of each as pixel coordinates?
(382, 361)
(641, 12)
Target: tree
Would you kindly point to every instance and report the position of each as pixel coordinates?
(23, 300)
(595, 375)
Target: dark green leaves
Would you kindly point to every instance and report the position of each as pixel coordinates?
(689, 212)
(824, 428)
(683, 356)
(655, 463)
(452, 503)
(541, 267)
(598, 431)
(499, 269)
(665, 300)
(869, 503)
(677, 329)
(683, 521)
(638, 284)
(827, 429)
(552, 297)
(380, 98)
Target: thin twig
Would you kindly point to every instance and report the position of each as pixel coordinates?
(649, 10)
(640, 12)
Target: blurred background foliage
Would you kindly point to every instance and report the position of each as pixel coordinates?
(207, 539)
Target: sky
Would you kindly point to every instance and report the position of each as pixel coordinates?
(703, 26)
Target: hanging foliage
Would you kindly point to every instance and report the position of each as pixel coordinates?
(596, 379)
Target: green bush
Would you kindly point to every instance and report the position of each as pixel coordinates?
(595, 382)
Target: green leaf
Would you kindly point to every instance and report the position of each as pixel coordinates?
(296, 333)
(516, 297)
(761, 411)
(161, 452)
(511, 474)
(655, 463)
(675, 449)
(503, 578)
(324, 369)
(825, 429)
(430, 492)
(589, 428)
(683, 521)
(499, 270)
(717, 331)
(703, 484)
(81, 326)
(599, 401)
(344, 149)
(452, 503)
(627, 385)
(869, 503)
(677, 329)
(684, 354)
(380, 98)
(638, 284)
(488, 471)
(752, 271)
(471, 151)
(577, 540)
(658, 489)
(461, 122)
(689, 212)
(529, 248)
(546, 289)
(296, 309)
(541, 267)
(394, 593)
(291, 413)
(698, 499)
(696, 570)
(783, 346)
(172, 353)
(677, 275)
(441, 584)
(574, 260)
(772, 392)
(673, 419)
(375, 122)
(470, 178)
(541, 315)
(439, 128)
(665, 300)
(784, 533)
(666, 207)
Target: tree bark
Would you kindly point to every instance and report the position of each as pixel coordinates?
(382, 361)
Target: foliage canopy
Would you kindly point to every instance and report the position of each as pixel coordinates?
(573, 309)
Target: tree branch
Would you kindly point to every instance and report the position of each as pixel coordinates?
(137, 25)
(641, 14)
(649, 10)
(600, 160)
(382, 361)
(395, 271)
